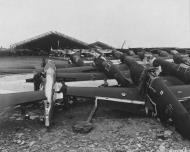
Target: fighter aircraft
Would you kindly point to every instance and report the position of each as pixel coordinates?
(151, 92)
(23, 97)
(103, 69)
(26, 97)
(179, 58)
(181, 71)
(97, 72)
(160, 53)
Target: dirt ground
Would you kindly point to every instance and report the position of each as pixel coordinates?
(17, 61)
(22, 61)
(114, 131)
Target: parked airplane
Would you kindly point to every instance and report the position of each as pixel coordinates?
(96, 72)
(181, 71)
(179, 58)
(151, 92)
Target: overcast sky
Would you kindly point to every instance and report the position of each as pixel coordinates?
(142, 23)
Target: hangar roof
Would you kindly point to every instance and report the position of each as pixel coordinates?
(100, 45)
(50, 40)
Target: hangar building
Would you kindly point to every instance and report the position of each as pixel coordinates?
(50, 41)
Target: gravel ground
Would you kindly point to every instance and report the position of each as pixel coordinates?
(113, 130)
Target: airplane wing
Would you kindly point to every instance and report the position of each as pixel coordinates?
(127, 99)
(109, 92)
(78, 69)
(79, 76)
(58, 58)
(60, 68)
(181, 92)
(62, 65)
(21, 97)
(68, 77)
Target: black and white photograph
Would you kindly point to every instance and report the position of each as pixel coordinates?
(94, 75)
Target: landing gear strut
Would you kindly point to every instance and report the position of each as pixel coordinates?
(86, 126)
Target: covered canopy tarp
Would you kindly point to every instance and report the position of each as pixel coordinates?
(50, 40)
